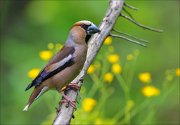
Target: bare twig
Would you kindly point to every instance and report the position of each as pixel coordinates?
(115, 6)
(138, 24)
(130, 40)
(128, 13)
(136, 38)
(131, 7)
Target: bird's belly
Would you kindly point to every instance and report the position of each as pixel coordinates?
(64, 77)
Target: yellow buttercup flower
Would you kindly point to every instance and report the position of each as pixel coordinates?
(108, 77)
(169, 77)
(116, 68)
(111, 49)
(98, 121)
(136, 52)
(150, 91)
(45, 55)
(129, 57)
(91, 69)
(97, 64)
(108, 41)
(33, 73)
(113, 58)
(88, 104)
(58, 46)
(178, 72)
(50, 46)
(130, 104)
(102, 121)
(145, 77)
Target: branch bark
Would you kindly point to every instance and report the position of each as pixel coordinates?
(115, 6)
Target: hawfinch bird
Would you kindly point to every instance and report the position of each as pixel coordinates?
(66, 64)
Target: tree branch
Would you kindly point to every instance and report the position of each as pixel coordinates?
(136, 38)
(129, 6)
(115, 6)
(128, 39)
(140, 25)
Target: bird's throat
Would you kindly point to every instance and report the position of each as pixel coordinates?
(87, 38)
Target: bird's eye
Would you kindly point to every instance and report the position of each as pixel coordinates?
(84, 26)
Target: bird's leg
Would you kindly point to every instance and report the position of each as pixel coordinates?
(66, 98)
(75, 85)
(62, 90)
(70, 86)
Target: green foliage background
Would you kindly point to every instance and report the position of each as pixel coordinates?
(28, 26)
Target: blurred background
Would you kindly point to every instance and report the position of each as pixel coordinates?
(29, 27)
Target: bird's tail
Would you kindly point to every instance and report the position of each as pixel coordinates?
(29, 86)
(35, 95)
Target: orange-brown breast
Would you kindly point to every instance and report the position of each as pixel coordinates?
(78, 34)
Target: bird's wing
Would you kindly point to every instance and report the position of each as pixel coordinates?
(61, 60)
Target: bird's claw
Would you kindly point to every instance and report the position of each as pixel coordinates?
(73, 86)
(68, 102)
(70, 86)
(66, 99)
(57, 110)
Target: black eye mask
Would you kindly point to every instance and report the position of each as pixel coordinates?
(84, 26)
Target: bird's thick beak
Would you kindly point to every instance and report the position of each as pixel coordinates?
(92, 30)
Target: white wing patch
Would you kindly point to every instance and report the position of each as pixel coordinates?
(62, 62)
(59, 64)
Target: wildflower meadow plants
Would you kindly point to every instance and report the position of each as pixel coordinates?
(106, 70)
(109, 78)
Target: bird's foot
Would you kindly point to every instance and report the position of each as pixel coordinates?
(70, 86)
(76, 87)
(73, 86)
(66, 98)
(68, 101)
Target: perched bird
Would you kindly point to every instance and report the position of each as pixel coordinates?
(66, 64)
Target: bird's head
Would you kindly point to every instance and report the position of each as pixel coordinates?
(82, 30)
